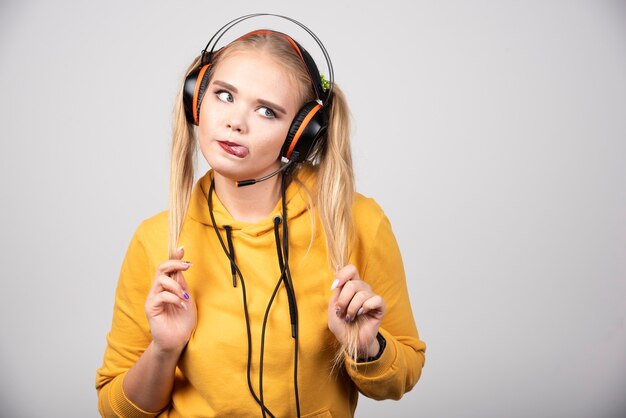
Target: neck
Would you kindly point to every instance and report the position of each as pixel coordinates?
(249, 203)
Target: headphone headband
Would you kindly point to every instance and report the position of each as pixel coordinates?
(206, 57)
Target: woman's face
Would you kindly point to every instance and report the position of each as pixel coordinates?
(245, 115)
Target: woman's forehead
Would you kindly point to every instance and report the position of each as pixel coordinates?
(257, 70)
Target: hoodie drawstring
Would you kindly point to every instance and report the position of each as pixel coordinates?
(231, 253)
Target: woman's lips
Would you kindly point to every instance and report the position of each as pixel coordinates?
(233, 148)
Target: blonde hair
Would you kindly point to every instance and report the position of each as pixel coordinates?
(182, 168)
(331, 158)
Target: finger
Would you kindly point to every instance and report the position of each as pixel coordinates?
(344, 275)
(356, 305)
(347, 293)
(168, 284)
(169, 298)
(183, 283)
(344, 296)
(374, 306)
(177, 275)
(177, 254)
(172, 266)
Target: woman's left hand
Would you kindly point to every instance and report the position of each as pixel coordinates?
(353, 299)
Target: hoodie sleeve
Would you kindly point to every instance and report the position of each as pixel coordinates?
(129, 335)
(399, 367)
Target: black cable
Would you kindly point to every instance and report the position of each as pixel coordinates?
(269, 305)
(231, 251)
(289, 282)
(245, 301)
(295, 355)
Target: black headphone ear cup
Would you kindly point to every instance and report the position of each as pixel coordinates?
(307, 127)
(189, 89)
(193, 92)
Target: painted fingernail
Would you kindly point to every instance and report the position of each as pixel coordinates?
(187, 263)
(183, 304)
(334, 285)
(359, 312)
(347, 319)
(338, 312)
(186, 295)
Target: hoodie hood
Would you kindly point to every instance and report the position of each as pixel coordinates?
(298, 196)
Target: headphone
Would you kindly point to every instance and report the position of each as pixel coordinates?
(311, 121)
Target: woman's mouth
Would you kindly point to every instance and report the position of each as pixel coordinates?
(234, 148)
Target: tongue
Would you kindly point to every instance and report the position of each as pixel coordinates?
(239, 150)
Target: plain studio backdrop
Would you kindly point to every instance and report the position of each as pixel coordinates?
(493, 134)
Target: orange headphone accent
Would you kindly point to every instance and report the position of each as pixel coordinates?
(291, 144)
(196, 105)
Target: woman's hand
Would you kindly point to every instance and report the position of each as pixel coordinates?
(170, 309)
(353, 299)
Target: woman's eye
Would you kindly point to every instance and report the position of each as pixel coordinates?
(266, 112)
(225, 96)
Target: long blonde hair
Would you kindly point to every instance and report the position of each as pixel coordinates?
(331, 159)
(182, 168)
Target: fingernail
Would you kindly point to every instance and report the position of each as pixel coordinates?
(334, 285)
(186, 295)
(183, 304)
(187, 263)
(359, 312)
(338, 312)
(347, 319)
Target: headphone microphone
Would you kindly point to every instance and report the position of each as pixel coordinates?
(286, 165)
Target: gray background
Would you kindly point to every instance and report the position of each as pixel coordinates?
(493, 133)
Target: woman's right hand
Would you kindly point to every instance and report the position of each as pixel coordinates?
(170, 309)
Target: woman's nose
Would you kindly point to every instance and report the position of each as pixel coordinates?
(235, 121)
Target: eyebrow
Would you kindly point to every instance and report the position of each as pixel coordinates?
(261, 101)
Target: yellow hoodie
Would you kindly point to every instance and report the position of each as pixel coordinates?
(211, 375)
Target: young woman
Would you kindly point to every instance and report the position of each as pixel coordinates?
(285, 297)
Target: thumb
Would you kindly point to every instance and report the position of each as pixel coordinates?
(179, 253)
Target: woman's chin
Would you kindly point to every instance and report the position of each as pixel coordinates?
(235, 172)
